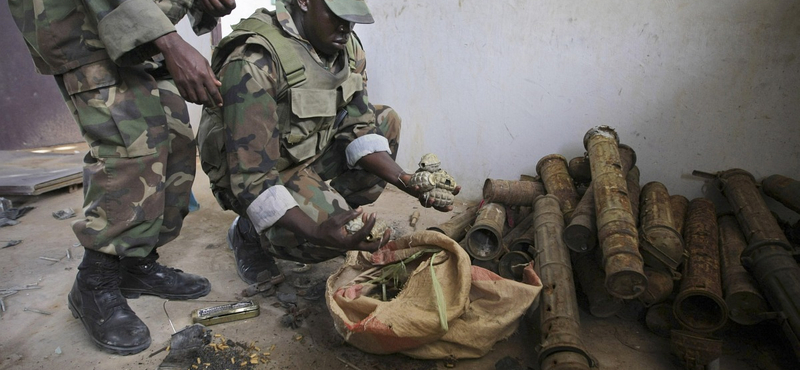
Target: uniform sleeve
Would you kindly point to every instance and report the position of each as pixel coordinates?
(361, 130)
(252, 138)
(127, 27)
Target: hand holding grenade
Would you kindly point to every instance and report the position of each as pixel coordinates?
(434, 182)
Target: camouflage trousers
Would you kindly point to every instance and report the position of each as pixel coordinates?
(139, 173)
(320, 198)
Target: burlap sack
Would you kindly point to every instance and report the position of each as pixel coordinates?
(475, 309)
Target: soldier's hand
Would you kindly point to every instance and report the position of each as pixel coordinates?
(218, 8)
(334, 234)
(193, 76)
(424, 200)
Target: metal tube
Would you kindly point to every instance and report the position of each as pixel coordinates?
(783, 189)
(679, 205)
(767, 254)
(560, 318)
(634, 192)
(699, 305)
(662, 245)
(694, 351)
(616, 227)
(580, 170)
(485, 237)
(511, 192)
(512, 263)
(456, 228)
(745, 302)
(757, 222)
(581, 233)
(555, 177)
(659, 287)
(590, 278)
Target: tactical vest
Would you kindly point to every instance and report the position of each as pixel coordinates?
(308, 100)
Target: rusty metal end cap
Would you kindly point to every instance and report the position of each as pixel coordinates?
(724, 175)
(548, 158)
(600, 130)
(627, 148)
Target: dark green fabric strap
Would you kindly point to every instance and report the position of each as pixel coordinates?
(292, 66)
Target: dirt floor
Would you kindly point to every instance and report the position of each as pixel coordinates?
(37, 330)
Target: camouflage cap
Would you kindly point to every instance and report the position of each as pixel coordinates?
(355, 11)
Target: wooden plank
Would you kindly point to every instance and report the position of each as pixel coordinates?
(34, 172)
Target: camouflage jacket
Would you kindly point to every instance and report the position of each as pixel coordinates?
(242, 146)
(63, 35)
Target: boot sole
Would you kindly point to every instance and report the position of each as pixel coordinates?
(124, 351)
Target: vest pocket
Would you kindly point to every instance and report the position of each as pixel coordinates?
(312, 111)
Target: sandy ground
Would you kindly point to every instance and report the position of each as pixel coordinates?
(31, 340)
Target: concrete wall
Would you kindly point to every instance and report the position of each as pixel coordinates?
(493, 87)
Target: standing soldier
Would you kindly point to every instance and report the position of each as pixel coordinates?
(124, 73)
(297, 148)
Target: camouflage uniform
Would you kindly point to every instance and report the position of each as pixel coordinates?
(139, 173)
(276, 142)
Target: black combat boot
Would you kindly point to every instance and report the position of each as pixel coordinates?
(253, 264)
(95, 299)
(146, 276)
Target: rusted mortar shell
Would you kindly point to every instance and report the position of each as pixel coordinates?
(755, 219)
(581, 233)
(591, 277)
(512, 192)
(783, 189)
(616, 228)
(627, 157)
(580, 170)
(485, 237)
(745, 303)
(679, 205)
(699, 305)
(519, 229)
(512, 263)
(457, 226)
(555, 177)
(560, 320)
(694, 351)
(634, 192)
(524, 242)
(565, 361)
(662, 246)
(659, 287)
(778, 275)
(491, 265)
(660, 319)
(767, 255)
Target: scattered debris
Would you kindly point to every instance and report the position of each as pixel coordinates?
(195, 348)
(10, 243)
(347, 363)
(64, 214)
(301, 267)
(413, 219)
(265, 288)
(36, 311)
(50, 259)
